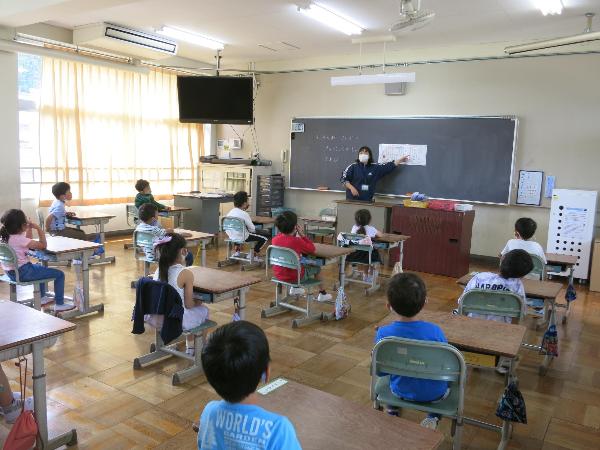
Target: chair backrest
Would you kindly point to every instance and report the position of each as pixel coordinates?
(233, 224)
(327, 212)
(539, 268)
(132, 213)
(419, 359)
(41, 218)
(9, 257)
(283, 257)
(142, 242)
(498, 303)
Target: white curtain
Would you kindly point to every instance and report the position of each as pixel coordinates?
(102, 128)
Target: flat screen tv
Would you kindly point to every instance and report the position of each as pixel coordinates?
(215, 99)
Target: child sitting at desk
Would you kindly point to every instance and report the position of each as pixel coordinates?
(524, 231)
(406, 297)
(514, 265)
(55, 222)
(291, 236)
(172, 252)
(362, 217)
(144, 195)
(235, 359)
(148, 215)
(250, 234)
(16, 231)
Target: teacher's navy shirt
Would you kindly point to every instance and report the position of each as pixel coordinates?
(359, 174)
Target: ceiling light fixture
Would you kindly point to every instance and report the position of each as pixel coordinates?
(192, 38)
(587, 36)
(549, 6)
(379, 78)
(330, 18)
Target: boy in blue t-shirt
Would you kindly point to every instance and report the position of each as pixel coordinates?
(406, 297)
(235, 359)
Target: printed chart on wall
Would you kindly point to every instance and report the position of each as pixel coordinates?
(417, 154)
(575, 222)
(530, 187)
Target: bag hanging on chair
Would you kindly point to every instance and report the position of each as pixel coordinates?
(342, 307)
(24, 431)
(512, 405)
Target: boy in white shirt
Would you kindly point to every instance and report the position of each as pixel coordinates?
(524, 231)
(250, 234)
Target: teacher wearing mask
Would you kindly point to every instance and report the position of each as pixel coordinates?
(361, 176)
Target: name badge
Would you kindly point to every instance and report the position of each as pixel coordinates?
(365, 187)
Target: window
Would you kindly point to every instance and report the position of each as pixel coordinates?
(100, 129)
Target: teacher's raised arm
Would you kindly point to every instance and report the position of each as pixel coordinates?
(362, 175)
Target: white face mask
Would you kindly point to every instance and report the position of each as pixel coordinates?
(363, 158)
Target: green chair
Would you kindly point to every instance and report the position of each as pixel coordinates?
(142, 243)
(539, 268)
(248, 259)
(9, 257)
(319, 230)
(425, 360)
(356, 277)
(498, 303)
(288, 258)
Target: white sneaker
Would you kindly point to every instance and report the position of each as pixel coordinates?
(257, 259)
(324, 297)
(46, 300)
(236, 254)
(430, 423)
(297, 291)
(64, 307)
(12, 411)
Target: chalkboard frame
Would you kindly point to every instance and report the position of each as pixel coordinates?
(449, 116)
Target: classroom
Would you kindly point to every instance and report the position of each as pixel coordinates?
(272, 224)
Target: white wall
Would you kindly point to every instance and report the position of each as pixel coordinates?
(556, 99)
(9, 132)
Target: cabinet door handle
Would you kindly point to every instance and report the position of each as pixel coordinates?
(454, 241)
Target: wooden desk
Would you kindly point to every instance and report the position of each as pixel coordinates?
(212, 285)
(61, 248)
(24, 330)
(325, 421)
(98, 220)
(196, 237)
(318, 222)
(262, 220)
(176, 212)
(568, 262)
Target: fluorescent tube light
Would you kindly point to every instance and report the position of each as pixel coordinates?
(550, 43)
(330, 18)
(549, 6)
(380, 78)
(192, 38)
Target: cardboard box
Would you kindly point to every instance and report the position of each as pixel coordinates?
(595, 272)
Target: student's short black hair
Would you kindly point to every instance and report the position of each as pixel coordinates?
(60, 188)
(525, 227)
(286, 222)
(367, 149)
(406, 294)
(141, 184)
(516, 264)
(235, 358)
(147, 212)
(239, 198)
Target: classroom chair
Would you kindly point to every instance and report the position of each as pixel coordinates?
(539, 268)
(286, 257)
(9, 257)
(535, 306)
(498, 303)
(351, 240)
(141, 242)
(321, 231)
(131, 213)
(247, 259)
(160, 350)
(426, 360)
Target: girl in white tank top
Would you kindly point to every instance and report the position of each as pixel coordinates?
(171, 268)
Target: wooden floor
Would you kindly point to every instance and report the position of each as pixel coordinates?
(92, 385)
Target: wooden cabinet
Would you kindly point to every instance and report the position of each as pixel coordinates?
(440, 241)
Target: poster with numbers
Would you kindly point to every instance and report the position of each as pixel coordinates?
(529, 191)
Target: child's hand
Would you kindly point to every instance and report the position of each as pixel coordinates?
(70, 214)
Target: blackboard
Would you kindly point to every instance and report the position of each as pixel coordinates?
(468, 158)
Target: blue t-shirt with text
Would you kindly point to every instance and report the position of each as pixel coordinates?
(408, 388)
(237, 426)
